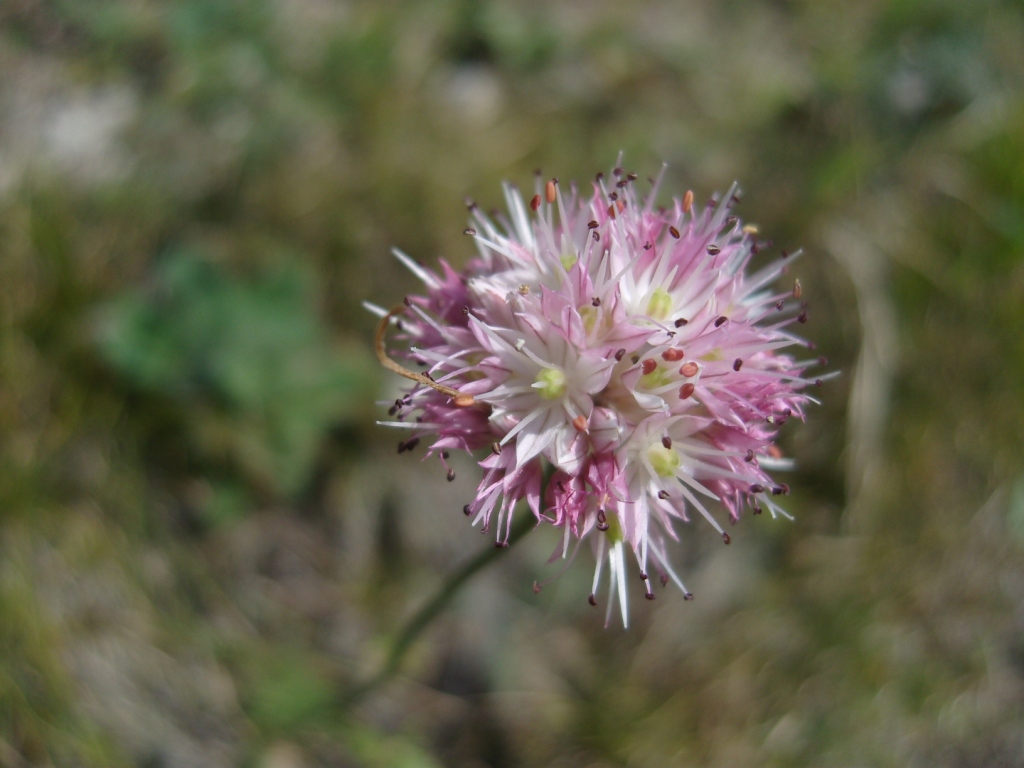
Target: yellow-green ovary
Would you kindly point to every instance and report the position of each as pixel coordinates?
(660, 305)
(664, 461)
(552, 381)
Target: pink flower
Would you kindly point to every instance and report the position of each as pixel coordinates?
(622, 345)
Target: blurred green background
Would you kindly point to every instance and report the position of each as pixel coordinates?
(203, 536)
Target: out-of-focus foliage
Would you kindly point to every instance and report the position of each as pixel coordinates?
(203, 538)
(248, 364)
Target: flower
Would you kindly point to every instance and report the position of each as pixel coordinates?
(623, 348)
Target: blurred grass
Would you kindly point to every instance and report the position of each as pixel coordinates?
(201, 533)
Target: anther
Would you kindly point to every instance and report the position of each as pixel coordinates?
(524, 290)
(464, 401)
(536, 588)
(777, 490)
(721, 321)
(467, 511)
(595, 302)
(737, 364)
(798, 290)
(631, 176)
(725, 538)
(644, 576)
(802, 317)
(712, 203)
(451, 474)
(496, 448)
(465, 310)
(688, 201)
(592, 599)
(469, 231)
(392, 410)
(621, 184)
(549, 190)
(619, 354)
(635, 359)
(445, 455)
(785, 488)
(686, 391)
(412, 443)
(616, 171)
(580, 422)
(731, 221)
(592, 225)
(649, 366)
(714, 250)
(597, 236)
(780, 304)
(674, 232)
(602, 521)
(687, 595)
(470, 203)
(822, 360)
(679, 323)
(613, 196)
(757, 488)
(650, 595)
(599, 176)
(757, 509)
(749, 457)
(689, 370)
(648, 245)
(535, 203)
(667, 442)
(785, 254)
(663, 495)
(673, 355)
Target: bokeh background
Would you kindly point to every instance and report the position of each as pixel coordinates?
(204, 538)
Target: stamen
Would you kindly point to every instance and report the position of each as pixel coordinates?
(673, 355)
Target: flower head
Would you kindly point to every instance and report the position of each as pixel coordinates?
(622, 346)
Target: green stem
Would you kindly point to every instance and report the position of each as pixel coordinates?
(425, 615)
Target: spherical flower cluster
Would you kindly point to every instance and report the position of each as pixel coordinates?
(616, 362)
